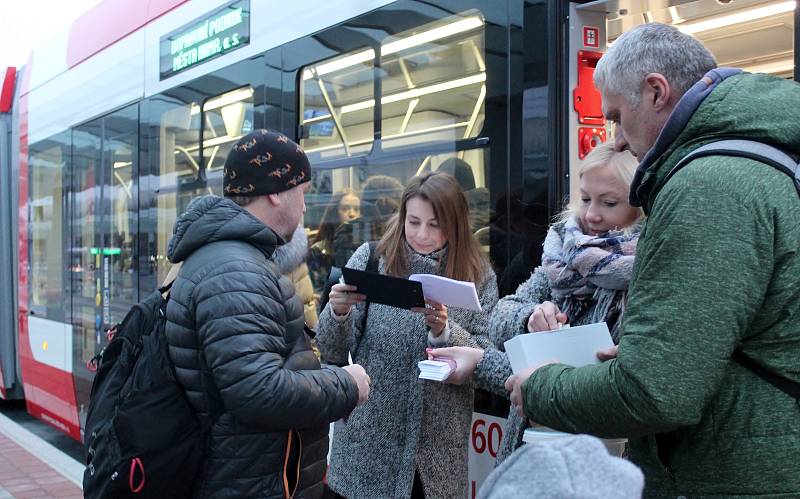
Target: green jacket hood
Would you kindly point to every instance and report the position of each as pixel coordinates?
(741, 105)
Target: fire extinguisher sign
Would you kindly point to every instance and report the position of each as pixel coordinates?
(591, 37)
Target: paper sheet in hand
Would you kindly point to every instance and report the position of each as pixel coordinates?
(575, 346)
(448, 292)
(385, 289)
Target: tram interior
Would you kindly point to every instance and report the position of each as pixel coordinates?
(755, 35)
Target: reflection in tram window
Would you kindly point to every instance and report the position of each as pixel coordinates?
(225, 119)
(103, 213)
(433, 84)
(47, 162)
(433, 80)
(336, 97)
(188, 168)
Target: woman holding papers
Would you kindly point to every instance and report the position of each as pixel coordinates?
(410, 438)
(586, 267)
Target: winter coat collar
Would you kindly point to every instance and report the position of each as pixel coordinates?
(725, 104)
(209, 219)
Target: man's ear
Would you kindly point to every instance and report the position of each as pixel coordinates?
(659, 90)
(274, 199)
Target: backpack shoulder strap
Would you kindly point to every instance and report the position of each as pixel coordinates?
(785, 385)
(751, 149)
(781, 161)
(372, 262)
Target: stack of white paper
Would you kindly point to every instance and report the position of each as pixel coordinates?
(575, 346)
(542, 433)
(435, 370)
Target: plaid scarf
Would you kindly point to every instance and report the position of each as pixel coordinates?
(585, 271)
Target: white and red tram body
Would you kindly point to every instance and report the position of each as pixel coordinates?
(125, 116)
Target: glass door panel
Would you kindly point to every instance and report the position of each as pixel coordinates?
(103, 225)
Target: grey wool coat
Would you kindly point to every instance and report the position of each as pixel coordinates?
(407, 423)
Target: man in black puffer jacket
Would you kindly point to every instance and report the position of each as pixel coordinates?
(236, 336)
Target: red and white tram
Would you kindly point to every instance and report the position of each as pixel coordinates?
(115, 124)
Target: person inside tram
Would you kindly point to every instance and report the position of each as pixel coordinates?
(380, 199)
(586, 268)
(235, 332)
(410, 438)
(381, 195)
(477, 197)
(345, 206)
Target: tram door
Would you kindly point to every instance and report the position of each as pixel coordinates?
(103, 205)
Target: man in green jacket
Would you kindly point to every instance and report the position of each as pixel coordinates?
(717, 268)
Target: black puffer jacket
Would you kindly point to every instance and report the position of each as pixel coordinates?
(235, 330)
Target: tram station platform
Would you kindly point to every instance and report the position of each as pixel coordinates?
(31, 467)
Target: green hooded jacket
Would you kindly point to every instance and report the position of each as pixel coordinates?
(717, 267)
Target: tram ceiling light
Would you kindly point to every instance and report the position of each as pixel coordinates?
(782, 66)
(738, 17)
(445, 31)
(344, 62)
(417, 92)
(460, 26)
(224, 99)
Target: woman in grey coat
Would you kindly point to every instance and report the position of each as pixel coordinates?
(410, 438)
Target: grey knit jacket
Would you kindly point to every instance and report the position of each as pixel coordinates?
(510, 318)
(407, 423)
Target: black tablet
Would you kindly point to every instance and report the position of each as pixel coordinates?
(388, 290)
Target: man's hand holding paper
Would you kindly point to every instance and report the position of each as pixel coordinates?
(575, 346)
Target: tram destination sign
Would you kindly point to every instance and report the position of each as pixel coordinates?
(220, 32)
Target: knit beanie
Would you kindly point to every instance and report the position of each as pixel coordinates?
(563, 468)
(264, 162)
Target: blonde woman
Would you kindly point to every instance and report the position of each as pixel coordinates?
(586, 268)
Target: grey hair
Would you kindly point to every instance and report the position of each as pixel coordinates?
(652, 48)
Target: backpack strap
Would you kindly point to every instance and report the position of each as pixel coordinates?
(750, 149)
(785, 385)
(372, 266)
(769, 155)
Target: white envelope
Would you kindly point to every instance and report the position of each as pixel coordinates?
(575, 346)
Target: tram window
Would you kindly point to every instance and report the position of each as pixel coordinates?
(178, 146)
(183, 172)
(47, 162)
(349, 206)
(226, 118)
(433, 80)
(336, 106)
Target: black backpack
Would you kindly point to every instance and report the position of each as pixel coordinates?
(142, 437)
